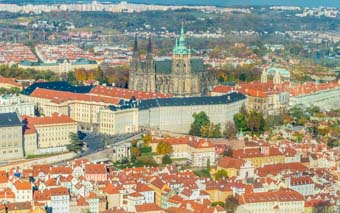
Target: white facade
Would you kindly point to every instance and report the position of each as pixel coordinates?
(272, 207)
(246, 171)
(15, 104)
(118, 122)
(179, 118)
(121, 152)
(60, 203)
(324, 99)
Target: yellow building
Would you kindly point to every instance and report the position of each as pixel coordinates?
(260, 156)
(198, 150)
(83, 108)
(52, 131)
(158, 186)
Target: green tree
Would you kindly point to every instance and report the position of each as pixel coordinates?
(217, 203)
(71, 78)
(220, 174)
(166, 160)
(200, 119)
(255, 121)
(240, 121)
(75, 143)
(164, 148)
(208, 164)
(210, 130)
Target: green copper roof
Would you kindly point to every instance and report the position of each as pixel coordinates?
(180, 47)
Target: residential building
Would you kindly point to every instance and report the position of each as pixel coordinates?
(272, 202)
(236, 167)
(60, 200)
(11, 139)
(198, 150)
(260, 156)
(121, 152)
(23, 191)
(95, 172)
(93, 201)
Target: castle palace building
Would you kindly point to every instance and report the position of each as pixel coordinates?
(181, 76)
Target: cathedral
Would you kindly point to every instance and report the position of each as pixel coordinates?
(181, 76)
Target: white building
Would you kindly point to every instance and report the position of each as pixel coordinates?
(114, 121)
(175, 114)
(272, 202)
(15, 104)
(60, 200)
(303, 185)
(121, 152)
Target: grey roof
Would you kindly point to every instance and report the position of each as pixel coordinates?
(191, 101)
(9, 119)
(57, 85)
(165, 66)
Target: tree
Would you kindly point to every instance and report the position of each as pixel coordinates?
(208, 164)
(220, 174)
(230, 130)
(166, 160)
(210, 130)
(255, 121)
(243, 109)
(217, 203)
(230, 204)
(147, 140)
(164, 148)
(71, 79)
(240, 121)
(200, 119)
(75, 143)
(135, 151)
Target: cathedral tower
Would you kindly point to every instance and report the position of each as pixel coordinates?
(150, 69)
(181, 67)
(264, 76)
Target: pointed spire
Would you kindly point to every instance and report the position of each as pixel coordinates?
(150, 45)
(135, 46)
(182, 29)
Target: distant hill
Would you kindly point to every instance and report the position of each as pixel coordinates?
(303, 3)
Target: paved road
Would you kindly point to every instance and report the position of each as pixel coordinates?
(98, 142)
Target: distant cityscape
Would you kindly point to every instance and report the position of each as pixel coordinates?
(114, 107)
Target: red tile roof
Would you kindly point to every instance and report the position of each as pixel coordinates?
(10, 81)
(190, 140)
(59, 191)
(255, 152)
(148, 207)
(95, 169)
(278, 196)
(25, 185)
(228, 162)
(54, 119)
(277, 168)
(122, 93)
(60, 96)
